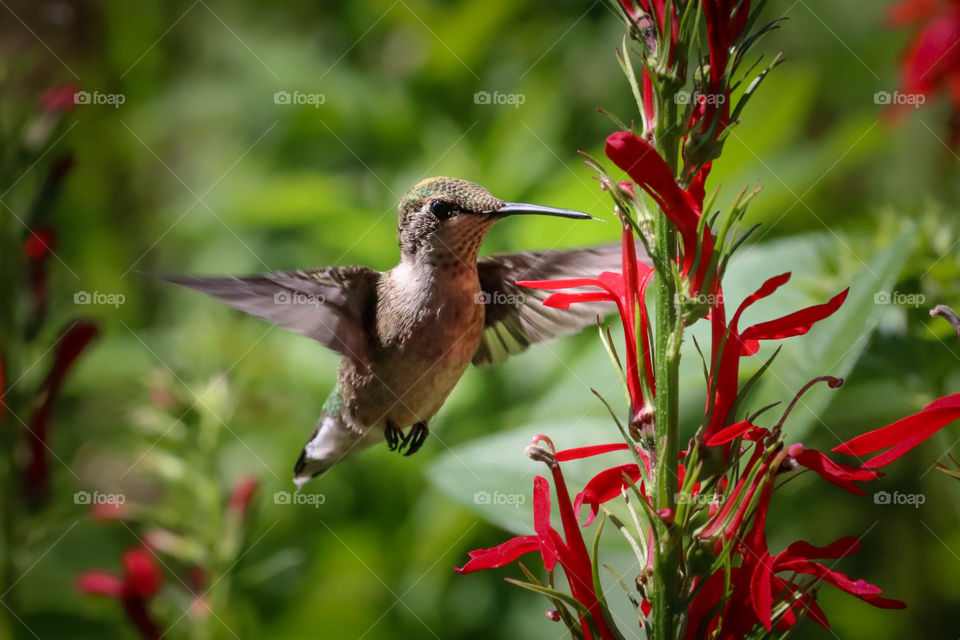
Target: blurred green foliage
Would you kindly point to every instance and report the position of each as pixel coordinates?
(200, 170)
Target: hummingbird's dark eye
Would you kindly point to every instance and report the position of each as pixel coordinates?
(441, 209)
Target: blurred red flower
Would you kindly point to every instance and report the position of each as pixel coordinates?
(931, 62)
(139, 583)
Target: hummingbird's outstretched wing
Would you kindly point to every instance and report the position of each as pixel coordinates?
(516, 317)
(329, 305)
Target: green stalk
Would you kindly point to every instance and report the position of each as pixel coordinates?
(668, 336)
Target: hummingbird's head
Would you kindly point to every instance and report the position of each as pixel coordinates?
(446, 219)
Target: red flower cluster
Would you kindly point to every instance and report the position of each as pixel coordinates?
(931, 63)
(569, 549)
(134, 588)
(752, 587)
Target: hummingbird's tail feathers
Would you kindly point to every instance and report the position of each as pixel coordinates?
(331, 442)
(329, 305)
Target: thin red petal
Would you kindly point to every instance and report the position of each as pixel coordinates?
(541, 522)
(761, 595)
(562, 300)
(593, 450)
(839, 474)
(904, 434)
(100, 583)
(795, 324)
(496, 557)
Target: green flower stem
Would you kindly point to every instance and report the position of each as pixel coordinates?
(668, 336)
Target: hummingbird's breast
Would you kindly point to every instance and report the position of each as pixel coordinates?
(429, 324)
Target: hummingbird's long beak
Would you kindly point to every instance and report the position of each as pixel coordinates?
(522, 208)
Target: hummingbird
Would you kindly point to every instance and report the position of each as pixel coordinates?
(408, 334)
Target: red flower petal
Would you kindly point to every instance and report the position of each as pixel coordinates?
(904, 434)
(839, 549)
(841, 475)
(603, 487)
(761, 595)
(734, 431)
(500, 555)
(541, 522)
(243, 490)
(142, 575)
(794, 324)
(100, 583)
(593, 450)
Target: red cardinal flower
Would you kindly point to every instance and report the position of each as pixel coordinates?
(139, 583)
(643, 163)
(71, 344)
(569, 550)
(725, 21)
(627, 290)
(59, 98)
(759, 592)
(730, 344)
(931, 63)
(242, 494)
(904, 434)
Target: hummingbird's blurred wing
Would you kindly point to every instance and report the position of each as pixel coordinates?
(329, 305)
(516, 317)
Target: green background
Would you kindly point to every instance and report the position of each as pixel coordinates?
(200, 171)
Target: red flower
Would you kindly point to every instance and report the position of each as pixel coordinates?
(758, 590)
(37, 248)
(139, 583)
(839, 474)
(59, 98)
(730, 344)
(243, 490)
(931, 63)
(643, 163)
(725, 21)
(904, 434)
(569, 550)
(70, 345)
(655, 9)
(627, 290)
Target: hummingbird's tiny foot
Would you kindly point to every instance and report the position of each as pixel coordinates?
(415, 439)
(394, 436)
